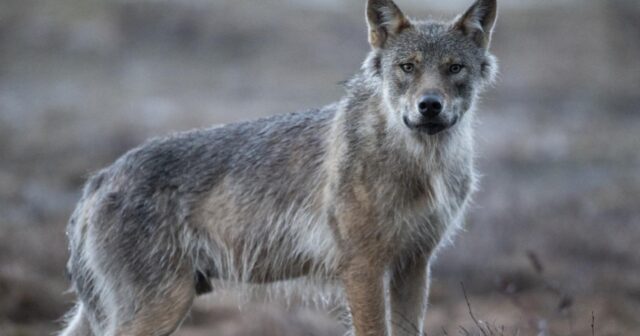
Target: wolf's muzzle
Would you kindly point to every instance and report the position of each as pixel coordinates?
(431, 127)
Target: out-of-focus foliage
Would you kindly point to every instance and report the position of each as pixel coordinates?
(559, 148)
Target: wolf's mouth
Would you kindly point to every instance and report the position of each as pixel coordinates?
(432, 127)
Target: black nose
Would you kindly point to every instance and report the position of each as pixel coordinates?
(430, 105)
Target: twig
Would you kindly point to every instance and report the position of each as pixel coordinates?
(475, 320)
(535, 262)
(464, 331)
(593, 324)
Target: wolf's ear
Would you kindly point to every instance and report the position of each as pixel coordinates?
(384, 19)
(477, 22)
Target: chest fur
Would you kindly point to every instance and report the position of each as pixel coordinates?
(429, 201)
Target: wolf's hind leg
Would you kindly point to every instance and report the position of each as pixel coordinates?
(159, 313)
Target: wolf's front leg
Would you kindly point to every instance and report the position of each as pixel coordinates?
(364, 285)
(409, 288)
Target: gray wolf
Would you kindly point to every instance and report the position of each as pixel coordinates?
(361, 192)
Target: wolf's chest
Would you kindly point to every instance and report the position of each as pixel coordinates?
(434, 216)
(450, 190)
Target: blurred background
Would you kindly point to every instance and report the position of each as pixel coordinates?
(552, 241)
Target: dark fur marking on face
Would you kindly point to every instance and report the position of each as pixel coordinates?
(463, 89)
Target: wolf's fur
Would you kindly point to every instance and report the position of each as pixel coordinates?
(356, 191)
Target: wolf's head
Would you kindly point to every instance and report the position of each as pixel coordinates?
(430, 72)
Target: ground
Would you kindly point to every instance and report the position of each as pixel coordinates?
(550, 244)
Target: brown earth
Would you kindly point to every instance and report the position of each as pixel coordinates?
(551, 243)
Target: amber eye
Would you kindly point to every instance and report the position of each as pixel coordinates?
(455, 68)
(407, 67)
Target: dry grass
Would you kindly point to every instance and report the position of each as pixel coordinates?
(558, 143)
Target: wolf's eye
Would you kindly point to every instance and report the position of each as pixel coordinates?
(407, 67)
(455, 68)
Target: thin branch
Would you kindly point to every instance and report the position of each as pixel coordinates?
(464, 331)
(475, 320)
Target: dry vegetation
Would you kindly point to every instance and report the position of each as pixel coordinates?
(551, 243)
